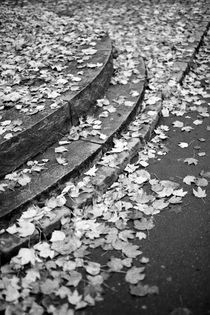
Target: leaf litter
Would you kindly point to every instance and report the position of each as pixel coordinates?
(63, 267)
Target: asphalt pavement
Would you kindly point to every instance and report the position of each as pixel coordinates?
(179, 245)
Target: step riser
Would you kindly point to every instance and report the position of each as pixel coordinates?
(21, 148)
(81, 104)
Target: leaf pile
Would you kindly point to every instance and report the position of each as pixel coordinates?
(37, 48)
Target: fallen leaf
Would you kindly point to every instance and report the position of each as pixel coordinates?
(93, 268)
(60, 149)
(25, 228)
(187, 128)
(178, 124)
(12, 290)
(120, 145)
(189, 179)
(143, 290)
(179, 193)
(61, 160)
(23, 179)
(125, 235)
(191, 161)
(144, 224)
(26, 255)
(141, 235)
(75, 298)
(49, 286)
(129, 103)
(134, 93)
(175, 200)
(205, 174)
(2, 187)
(12, 229)
(183, 145)
(92, 171)
(165, 112)
(144, 260)
(142, 177)
(202, 182)
(197, 122)
(44, 250)
(32, 275)
(57, 236)
(131, 251)
(200, 193)
(115, 264)
(74, 279)
(160, 204)
(135, 274)
(201, 153)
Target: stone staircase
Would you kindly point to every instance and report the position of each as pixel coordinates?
(44, 133)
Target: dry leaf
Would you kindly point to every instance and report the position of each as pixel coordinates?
(200, 193)
(143, 290)
(189, 179)
(93, 268)
(57, 236)
(26, 255)
(178, 124)
(25, 228)
(183, 145)
(135, 274)
(190, 161)
(60, 149)
(92, 171)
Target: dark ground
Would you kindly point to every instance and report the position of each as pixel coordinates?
(179, 245)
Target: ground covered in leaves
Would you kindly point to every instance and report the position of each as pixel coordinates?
(37, 50)
(75, 267)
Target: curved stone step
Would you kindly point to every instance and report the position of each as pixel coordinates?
(79, 154)
(41, 130)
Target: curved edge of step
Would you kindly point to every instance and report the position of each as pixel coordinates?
(106, 175)
(51, 125)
